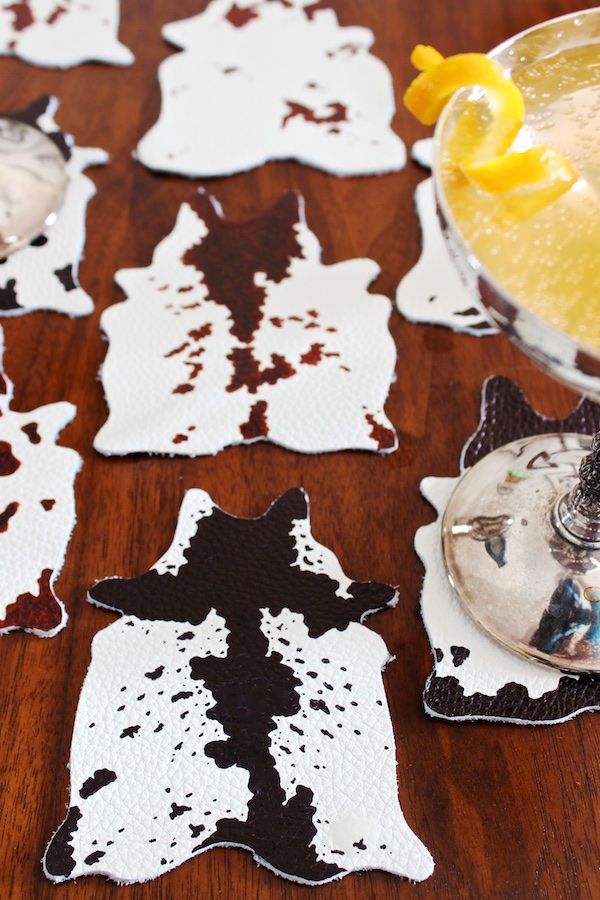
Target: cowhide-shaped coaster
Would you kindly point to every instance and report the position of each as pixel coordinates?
(62, 33)
(422, 153)
(37, 512)
(434, 291)
(237, 702)
(238, 333)
(474, 677)
(286, 82)
(44, 275)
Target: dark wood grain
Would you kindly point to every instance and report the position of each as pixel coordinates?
(507, 811)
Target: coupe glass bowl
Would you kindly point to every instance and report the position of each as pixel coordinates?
(560, 354)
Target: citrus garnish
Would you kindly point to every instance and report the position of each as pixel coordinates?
(486, 130)
(441, 77)
(483, 132)
(529, 179)
(424, 57)
(513, 170)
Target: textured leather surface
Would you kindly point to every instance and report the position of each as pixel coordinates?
(242, 334)
(44, 275)
(434, 291)
(473, 677)
(294, 83)
(37, 513)
(237, 701)
(507, 415)
(62, 34)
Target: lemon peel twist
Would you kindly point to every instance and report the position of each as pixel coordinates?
(528, 180)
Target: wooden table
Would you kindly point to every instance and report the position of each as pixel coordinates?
(506, 811)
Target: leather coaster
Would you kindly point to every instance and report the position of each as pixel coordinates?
(473, 677)
(44, 274)
(37, 512)
(290, 82)
(62, 34)
(434, 291)
(242, 335)
(422, 153)
(238, 701)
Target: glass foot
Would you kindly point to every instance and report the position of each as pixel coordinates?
(33, 182)
(511, 560)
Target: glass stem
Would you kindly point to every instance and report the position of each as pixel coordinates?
(577, 514)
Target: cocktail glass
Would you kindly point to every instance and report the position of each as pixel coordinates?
(536, 499)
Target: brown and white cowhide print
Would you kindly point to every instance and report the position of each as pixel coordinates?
(62, 33)
(435, 291)
(37, 512)
(44, 275)
(238, 701)
(473, 676)
(238, 333)
(261, 80)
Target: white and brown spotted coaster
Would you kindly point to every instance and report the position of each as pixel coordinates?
(44, 275)
(434, 291)
(62, 33)
(474, 677)
(238, 333)
(262, 80)
(37, 512)
(237, 702)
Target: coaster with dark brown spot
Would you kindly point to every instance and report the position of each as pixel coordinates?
(235, 703)
(473, 676)
(290, 82)
(62, 34)
(37, 513)
(242, 335)
(44, 275)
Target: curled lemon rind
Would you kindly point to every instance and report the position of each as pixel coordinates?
(424, 57)
(511, 171)
(471, 141)
(429, 92)
(527, 180)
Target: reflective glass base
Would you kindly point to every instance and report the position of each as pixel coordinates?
(522, 581)
(33, 182)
